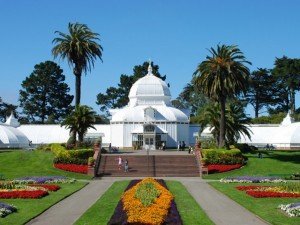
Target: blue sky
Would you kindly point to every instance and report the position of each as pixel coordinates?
(174, 34)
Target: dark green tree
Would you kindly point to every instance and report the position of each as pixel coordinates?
(236, 121)
(79, 121)
(223, 75)
(44, 94)
(80, 48)
(190, 98)
(287, 71)
(117, 97)
(262, 91)
(6, 109)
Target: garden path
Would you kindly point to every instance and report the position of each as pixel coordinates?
(67, 211)
(219, 208)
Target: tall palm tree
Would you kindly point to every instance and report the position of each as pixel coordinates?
(223, 75)
(236, 121)
(79, 121)
(81, 50)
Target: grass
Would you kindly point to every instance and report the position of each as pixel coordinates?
(266, 208)
(273, 163)
(103, 209)
(30, 208)
(20, 163)
(188, 208)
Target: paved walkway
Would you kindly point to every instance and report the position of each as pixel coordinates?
(220, 209)
(67, 211)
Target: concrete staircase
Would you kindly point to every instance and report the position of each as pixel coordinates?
(152, 166)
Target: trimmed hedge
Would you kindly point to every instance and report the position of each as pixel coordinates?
(79, 157)
(222, 157)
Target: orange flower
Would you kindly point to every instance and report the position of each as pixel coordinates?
(153, 214)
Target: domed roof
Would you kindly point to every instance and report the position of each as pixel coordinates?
(149, 90)
(11, 137)
(162, 113)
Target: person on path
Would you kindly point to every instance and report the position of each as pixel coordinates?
(119, 162)
(109, 148)
(179, 146)
(126, 166)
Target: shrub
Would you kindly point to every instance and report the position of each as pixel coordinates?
(69, 160)
(223, 157)
(208, 144)
(44, 147)
(147, 193)
(82, 154)
(245, 148)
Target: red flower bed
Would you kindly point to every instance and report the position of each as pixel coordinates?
(246, 188)
(49, 187)
(23, 194)
(217, 168)
(271, 194)
(72, 167)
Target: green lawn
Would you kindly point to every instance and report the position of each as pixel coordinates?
(30, 208)
(20, 163)
(103, 209)
(272, 163)
(266, 208)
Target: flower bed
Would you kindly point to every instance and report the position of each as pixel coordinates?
(218, 168)
(6, 209)
(23, 194)
(48, 187)
(146, 215)
(42, 180)
(252, 179)
(72, 167)
(268, 192)
(292, 210)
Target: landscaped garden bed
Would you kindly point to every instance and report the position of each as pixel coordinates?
(221, 160)
(72, 167)
(281, 191)
(101, 212)
(292, 209)
(218, 168)
(252, 179)
(29, 187)
(6, 209)
(146, 201)
(266, 208)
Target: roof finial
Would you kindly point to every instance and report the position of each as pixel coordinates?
(149, 68)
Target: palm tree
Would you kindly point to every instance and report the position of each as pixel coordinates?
(82, 118)
(81, 50)
(223, 75)
(236, 121)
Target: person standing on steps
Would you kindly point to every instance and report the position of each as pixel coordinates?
(126, 166)
(120, 162)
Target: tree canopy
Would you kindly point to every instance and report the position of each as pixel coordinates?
(222, 75)
(6, 109)
(287, 74)
(44, 95)
(80, 48)
(117, 97)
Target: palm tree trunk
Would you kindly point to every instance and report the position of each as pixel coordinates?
(78, 89)
(222, 122)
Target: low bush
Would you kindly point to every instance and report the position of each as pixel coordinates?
(245, 148)
(223, 157)
(69, 160)
(81, 154)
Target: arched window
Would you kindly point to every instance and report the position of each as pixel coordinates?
(149, 128)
